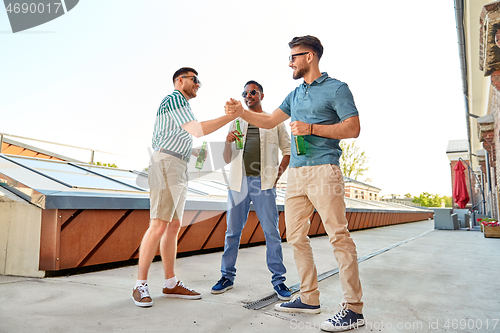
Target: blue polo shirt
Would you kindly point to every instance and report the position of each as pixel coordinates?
(325, 101)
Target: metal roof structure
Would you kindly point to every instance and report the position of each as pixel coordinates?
(51, 184)
(60, 184)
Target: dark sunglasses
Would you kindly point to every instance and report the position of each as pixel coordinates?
(251, 92)
(195, 79)
(292, 57)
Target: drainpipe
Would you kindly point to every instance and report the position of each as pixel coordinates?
(488, 179)
(459, 17)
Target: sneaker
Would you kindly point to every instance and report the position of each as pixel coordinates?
(283, 292)
(296, 306)
(141, 296)
(180, 291)
(343, 320)
(222, 285)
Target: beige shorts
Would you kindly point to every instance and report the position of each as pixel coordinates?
(168, 183)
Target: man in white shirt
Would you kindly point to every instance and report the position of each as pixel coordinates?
(254, 173)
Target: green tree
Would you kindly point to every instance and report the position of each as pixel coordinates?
(353, 161)
(447, 201)
(427, 199)
(109, 165)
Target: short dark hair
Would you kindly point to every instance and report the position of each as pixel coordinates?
(309, 42)
(183, 71)
(256, 83)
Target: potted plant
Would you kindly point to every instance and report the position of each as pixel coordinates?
(490, 227)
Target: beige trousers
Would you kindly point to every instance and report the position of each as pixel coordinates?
(321, 187)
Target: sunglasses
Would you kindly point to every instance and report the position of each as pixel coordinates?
(292, 57)
(251, 92)
(195, 79)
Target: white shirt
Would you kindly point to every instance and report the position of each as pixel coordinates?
(270, 141)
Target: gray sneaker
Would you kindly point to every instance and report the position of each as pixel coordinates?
(296, 306)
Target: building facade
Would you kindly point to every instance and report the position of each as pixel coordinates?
(478, 30)
(358, 190)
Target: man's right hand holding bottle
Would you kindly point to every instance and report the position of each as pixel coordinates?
(233, 136)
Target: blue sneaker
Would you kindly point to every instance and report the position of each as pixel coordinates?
(283, 292)
(296, 306)
(222, 285)
(343, 320)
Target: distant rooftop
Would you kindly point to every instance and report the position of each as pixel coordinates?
(350, 180)
(457, 146)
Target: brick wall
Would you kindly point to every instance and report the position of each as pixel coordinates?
(490, 140)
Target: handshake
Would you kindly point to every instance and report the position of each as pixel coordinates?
(234, 108)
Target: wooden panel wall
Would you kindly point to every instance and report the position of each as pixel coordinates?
(78, 238)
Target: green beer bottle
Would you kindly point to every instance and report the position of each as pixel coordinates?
(300, 145)
(239, 144)
(201, 156)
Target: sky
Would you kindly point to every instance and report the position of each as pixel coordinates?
(94, 77)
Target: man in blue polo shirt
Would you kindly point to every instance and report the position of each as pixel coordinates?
(323, 112)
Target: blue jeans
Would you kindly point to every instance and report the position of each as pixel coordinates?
(264, 202)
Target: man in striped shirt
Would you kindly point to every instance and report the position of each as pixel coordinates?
(174, 129)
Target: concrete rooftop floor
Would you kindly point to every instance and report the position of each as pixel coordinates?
(436, 281)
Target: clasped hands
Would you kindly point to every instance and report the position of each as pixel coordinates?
(234, 108)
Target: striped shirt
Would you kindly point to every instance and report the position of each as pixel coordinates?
(173, 112)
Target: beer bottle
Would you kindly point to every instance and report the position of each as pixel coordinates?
(300, 145)
(201, 156)
(239, 144)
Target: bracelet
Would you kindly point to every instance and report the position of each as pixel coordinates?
(310, 129)
(227, 143)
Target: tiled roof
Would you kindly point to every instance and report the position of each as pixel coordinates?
(13, 147)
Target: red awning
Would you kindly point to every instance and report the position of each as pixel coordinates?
(460, 193)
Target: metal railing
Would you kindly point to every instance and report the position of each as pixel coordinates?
(402, 202)
(92, 151)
